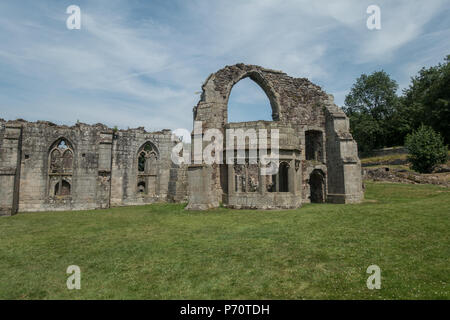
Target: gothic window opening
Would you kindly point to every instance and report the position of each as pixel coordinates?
(60, 168)
(141, 162)
(248, 102)
(313, 145)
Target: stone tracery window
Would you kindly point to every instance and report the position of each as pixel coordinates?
(148, 160)
(60, 168)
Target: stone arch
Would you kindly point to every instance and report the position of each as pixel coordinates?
(317, 186)
(296, 104)
(217, 89)
(62, 140)
(264, 84)
(247, 102)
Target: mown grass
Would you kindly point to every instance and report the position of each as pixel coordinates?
(165, 252)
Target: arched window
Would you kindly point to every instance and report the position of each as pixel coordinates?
(313, 145)
(148, 168)
(148, 155)
(60, 168)
(248, 102)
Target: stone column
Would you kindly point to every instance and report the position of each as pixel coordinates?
(262, 181)
(277, 179)
(231, 182)
(292, 181)
(246, 176)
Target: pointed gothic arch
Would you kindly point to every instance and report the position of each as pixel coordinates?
(248, 102)
(264, 84)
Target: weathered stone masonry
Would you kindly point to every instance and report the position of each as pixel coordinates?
(318, 156)
(44, 166)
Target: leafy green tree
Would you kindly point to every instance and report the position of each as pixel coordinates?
(426, 149)
(371, 106)
(427, 100)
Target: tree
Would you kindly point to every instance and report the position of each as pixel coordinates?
(427, 100)
(371, 106)
(426, 149)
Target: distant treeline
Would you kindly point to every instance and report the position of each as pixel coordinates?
(380, 118)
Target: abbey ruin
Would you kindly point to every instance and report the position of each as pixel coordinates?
(46, 167)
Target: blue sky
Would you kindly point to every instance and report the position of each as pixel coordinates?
(141, 63)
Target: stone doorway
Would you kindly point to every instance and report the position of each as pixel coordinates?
(317, 186)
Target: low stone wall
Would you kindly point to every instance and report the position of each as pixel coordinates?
(404, 176)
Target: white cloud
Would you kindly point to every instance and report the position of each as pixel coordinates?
(129, 68)
(401, 22)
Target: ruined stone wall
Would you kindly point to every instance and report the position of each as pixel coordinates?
(104, 170)
(106, 163)
(294, 101)
(10, 145)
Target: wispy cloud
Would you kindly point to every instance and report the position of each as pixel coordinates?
(140, 63)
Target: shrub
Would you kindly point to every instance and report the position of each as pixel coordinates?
(426, 149)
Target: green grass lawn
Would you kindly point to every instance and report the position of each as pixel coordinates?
(165, 252)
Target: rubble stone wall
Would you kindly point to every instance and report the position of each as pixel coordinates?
(302, 105)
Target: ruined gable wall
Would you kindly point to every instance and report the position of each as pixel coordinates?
(294, 101)
(305, 106)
